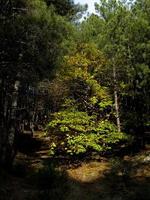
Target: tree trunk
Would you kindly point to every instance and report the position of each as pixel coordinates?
(116, 100)
(8, 129)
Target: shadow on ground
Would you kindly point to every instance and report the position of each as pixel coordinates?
(36, 178)
(119, 182)
(27, 144)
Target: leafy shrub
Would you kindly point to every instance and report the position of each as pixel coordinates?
(74, 132)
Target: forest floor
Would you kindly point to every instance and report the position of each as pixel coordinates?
(35, 176)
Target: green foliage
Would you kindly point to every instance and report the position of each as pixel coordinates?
(32, 41)
(105, 104)
(121, 32)
(72, 120)
(83, 123)
(65, 8)
(75, 132)
(91, 29)
(125, 40)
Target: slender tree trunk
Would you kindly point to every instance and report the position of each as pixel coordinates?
(3, 135)
(116, 99)
(8, 130)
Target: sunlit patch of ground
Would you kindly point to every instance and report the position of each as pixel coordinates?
(89, 172)
(114, 179)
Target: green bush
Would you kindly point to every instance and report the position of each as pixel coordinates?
(74, 132)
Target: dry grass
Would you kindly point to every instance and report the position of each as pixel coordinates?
(89, 172)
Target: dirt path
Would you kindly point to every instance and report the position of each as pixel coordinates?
(36, 177)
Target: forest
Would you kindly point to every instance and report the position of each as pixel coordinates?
(74, 100)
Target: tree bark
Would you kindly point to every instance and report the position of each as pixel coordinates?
(116, 100)
(8, 129)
